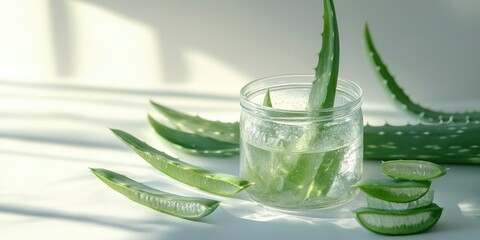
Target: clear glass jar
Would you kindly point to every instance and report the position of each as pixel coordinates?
(300, 162)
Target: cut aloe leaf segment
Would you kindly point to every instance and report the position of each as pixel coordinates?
(194, 143)
(399, 222)
(220, 131)
(394, 190)
(413, 170)
(179, 206)
(267, 100)
(216, 183)
(377, 203)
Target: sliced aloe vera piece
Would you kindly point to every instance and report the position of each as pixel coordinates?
(194, 143)
(179, 206)
(394, 190)
(399, 222)
(217, 183)
(413, 170)
(373, 202)
(220, 131)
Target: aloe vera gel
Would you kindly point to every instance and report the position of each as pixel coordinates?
(299, 160)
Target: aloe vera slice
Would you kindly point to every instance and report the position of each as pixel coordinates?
(374, 202)
(194, 143)
(412, 170)
(399, 94)
(394, 190)
(179, 206)
(399, 222)
(220, 131)
(217, 183)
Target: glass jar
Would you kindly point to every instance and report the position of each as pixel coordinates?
(297, 161)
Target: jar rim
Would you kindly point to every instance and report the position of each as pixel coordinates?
(338, 111)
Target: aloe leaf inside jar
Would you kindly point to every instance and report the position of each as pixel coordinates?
(293, 164)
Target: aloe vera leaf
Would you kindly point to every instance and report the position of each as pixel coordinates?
(399, 94)
(220, 131)
(322, 94)
(267, 100)
(217, 183)
(326, 173)
(184, 207)
(194, 143)
(457, 143)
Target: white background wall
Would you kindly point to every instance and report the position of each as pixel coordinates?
(431, 46)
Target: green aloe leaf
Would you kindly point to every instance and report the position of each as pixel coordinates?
(399, 94)
(217, 183)
(220, 131)
(184, 207)
(194, 143)
(267, 100)
(441, 143)
(322, 96)
(324, 86)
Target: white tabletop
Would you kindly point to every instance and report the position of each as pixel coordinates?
(50, 133)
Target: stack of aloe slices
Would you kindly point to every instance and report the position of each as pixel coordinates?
(403, 204)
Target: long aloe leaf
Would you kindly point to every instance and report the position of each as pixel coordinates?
(217, 183)
(193, 143)
(446, 142)
(324, 86)
(399, 94)
(221, 131)
(441, 143)
(185, 207)
(322, 96)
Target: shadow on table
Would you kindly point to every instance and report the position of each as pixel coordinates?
(58, 215)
